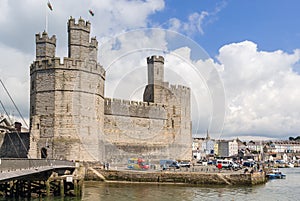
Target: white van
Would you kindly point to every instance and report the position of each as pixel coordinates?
(227, 164)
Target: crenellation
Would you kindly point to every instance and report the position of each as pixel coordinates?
(155, 58)
(67, 105)
(134, 103)
(127, 102)
(41, 38)
(45, 46)
(110, 101)
(82, 24)
(166, 84)
(179, 88)
(66, 63)
(133, 108)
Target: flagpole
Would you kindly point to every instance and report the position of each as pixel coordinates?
(46, 20)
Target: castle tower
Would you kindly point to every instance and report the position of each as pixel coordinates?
(79, 43)
(155, 70)
(45, 46)
(154, 91)
(67, 99)
(177, 102)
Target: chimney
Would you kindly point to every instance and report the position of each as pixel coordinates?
(18, 126)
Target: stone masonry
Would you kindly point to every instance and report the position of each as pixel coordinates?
(71, 119)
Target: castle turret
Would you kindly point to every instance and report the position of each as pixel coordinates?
(154, 90)
(45, 46)
(79, 43)
(155, 70)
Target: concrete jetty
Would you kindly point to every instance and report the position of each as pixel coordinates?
(180, 177)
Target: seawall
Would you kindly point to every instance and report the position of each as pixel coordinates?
(197, 178)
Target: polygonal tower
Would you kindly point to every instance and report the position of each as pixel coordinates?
(67, 99)
(155, 87)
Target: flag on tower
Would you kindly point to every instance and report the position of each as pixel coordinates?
(49, 5)
(91, 12)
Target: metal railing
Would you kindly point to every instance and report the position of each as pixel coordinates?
(13, 164)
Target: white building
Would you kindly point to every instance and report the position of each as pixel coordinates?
(233, 148)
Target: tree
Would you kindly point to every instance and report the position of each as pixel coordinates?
(291, 139)
(294, 139)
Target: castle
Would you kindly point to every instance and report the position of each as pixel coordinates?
(70, 118)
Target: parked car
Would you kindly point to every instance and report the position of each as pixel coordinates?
(185, 164)
(166, 164)
(249, 163)
(202, 162)
(236, 166)
(213, 162)
(228, 164)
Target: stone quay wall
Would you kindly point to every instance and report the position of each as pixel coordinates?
(195, 178)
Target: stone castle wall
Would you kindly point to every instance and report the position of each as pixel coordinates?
(71, 118)
(134, 109)
(146, 126)
(67, 98)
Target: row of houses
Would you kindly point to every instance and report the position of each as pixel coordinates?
(203, 147)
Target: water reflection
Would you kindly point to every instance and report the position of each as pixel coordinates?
(281, 189)
(286, 189)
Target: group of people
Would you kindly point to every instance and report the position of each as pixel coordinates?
(106, 165)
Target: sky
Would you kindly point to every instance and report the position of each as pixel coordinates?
(241, 59)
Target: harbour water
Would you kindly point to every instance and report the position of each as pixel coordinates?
(279, 189)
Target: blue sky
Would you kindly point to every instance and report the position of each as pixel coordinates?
(272, 24)
(254, 45)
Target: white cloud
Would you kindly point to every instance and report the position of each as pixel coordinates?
(14, 73)
(192, 26)
(22, 19)
(261, 90)
(195, 22)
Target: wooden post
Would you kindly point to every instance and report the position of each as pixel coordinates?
(75, 187)
(47, 188)
(17, 188)
(62, 187)
(28, 189)
(80, 184)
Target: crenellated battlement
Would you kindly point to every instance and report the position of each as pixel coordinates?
(45, 46)
(44, 38)
(109, 101)
(155, 58)
(140, 109)
(67, 106)
(81, 25)
(179, 88)
(67, 63)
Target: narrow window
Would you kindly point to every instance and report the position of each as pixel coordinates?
(43, 152)
(32, 85)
